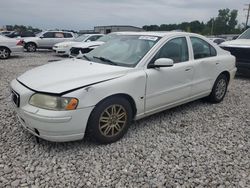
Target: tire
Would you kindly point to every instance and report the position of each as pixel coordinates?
(31, 47)
(109, 120)
(4, 53)
(219, 89)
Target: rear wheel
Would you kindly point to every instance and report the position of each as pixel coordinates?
(31, 47)
(4, 53)
(219, 89)
(110, 120)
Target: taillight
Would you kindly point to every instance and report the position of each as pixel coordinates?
(20, 43)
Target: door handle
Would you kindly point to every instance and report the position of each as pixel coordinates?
(187, 69)
(217, 63)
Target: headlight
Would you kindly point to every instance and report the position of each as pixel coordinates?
(65, 46)
(51, 102)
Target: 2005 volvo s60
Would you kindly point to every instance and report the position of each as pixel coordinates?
(128, 78)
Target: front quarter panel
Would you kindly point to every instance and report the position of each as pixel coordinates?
(132, 84)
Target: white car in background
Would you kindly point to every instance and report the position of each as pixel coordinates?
(47, 39)
(9, 46)
(217, 40)
(125, 79)
(63, 48)
(78, 49)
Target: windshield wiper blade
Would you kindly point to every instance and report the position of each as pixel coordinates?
(105, 60)
(86, 57)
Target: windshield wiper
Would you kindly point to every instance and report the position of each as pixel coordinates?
(86, 57)
(106, 60)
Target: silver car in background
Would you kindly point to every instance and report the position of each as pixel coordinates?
(9, 46)
(47, 39)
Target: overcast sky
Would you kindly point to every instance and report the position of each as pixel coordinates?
(82, 14)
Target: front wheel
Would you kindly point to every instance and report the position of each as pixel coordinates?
(31, 47)
(219, 89)
(4, 53)
(109, 120)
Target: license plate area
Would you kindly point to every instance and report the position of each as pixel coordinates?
(15, 98)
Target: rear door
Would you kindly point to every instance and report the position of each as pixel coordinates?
(205, 60)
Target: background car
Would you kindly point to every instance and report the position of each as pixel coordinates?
(133, 76)
(240, 48)
(10, 46)
(63, 48)
(6, 32)
(47, 39)
(217, 40)
(16, 34)
(82, 48)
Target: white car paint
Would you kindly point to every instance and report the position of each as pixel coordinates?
(63, 48)
(11, 45)
(152, 90)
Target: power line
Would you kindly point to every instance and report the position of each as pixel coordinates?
(248, 14)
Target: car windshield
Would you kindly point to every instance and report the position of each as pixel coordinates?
(39, 34)
(245, 35)
(126, 50)
(81, 38)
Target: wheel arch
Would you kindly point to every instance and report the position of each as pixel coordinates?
(5, 47)
(125, 96)
(30, 42)
(227, 74)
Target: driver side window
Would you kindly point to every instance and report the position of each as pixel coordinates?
(175, 49)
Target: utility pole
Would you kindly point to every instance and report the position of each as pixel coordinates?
(248, 14)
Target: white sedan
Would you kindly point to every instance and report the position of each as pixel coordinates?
(129, 78)
(9, 46)
(63, 48)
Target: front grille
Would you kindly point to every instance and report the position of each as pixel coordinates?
(75, 51)
(15, 98)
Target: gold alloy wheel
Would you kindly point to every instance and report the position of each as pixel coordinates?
(112, 120)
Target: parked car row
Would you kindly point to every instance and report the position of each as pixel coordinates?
(67, 43)
(132, 76)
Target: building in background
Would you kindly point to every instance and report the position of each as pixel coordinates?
(116, 28)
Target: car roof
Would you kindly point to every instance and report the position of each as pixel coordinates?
(157, 33)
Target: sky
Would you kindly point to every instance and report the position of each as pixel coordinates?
(82, 14)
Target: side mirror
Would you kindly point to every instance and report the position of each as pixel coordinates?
(88, 41)
(162, 62)
(41, 37)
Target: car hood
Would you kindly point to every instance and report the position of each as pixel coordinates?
(241, 43)
(62, 76)
(88, 44)
(69, 43)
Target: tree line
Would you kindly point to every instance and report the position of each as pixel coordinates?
(225, 23)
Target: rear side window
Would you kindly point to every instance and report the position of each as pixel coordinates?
(175, 49)
(67, 35)
(202, 49)
(59, 35)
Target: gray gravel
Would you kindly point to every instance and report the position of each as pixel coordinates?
(194, 145)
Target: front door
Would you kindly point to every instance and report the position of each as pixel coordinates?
(168, 85)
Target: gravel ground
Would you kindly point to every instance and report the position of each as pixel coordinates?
(195, 145)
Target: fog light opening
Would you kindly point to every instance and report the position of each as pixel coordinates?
(37, 132)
